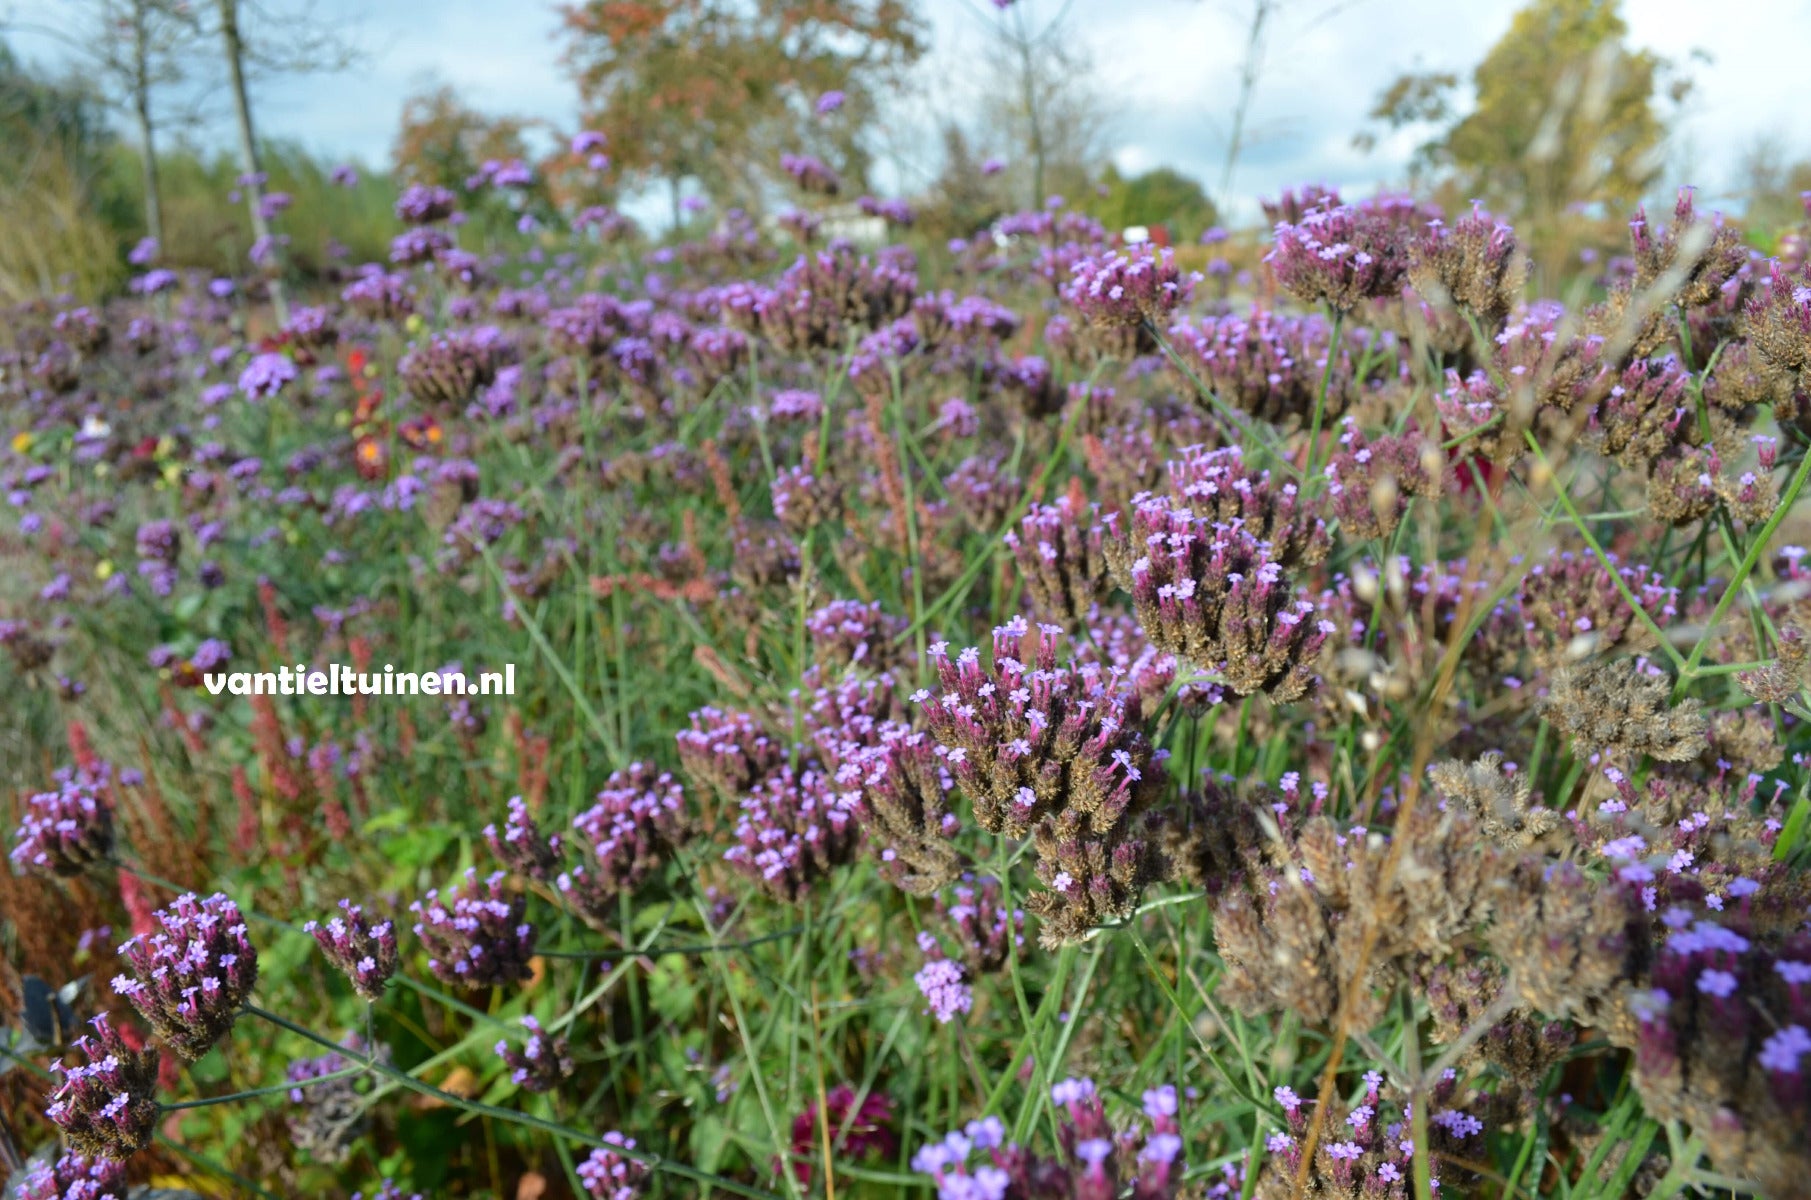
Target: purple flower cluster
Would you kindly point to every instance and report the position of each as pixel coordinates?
(1341, 254)
(476, 935)
(521, 846)
(812, 175)
(793, 829)
(1268, 364)
(1057, 548)
(542, 1062)
(1058, 753)
(267, 375)
(1214, 594)
(66, 831)
(903, 806)
(106, 1108)
(73, 1177)
(190, 978)
(1220, 486)
(1129, 287)
(610, 1175)
(424, 204)
(633, 828)
(365, 953)
(943, 982)
(727, 752)
(1092, 1163)
(454, 365)
(848, 633)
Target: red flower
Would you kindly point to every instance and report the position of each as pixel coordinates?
(866, 1130)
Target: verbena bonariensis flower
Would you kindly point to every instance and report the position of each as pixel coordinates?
(858, 1130)
(904, 808)
(847, 633)
(727, 752)
(1646, 414)
(1569, 608)
(1340, 255)
(1269, 365)
(894, 212)
(1473, 264)
(73, 1177)
(266, 375)
(190, 978)
(542, 1062)
(476, 935)
(1292, 205)
(1058, 753)
(1093, 1162)
(1220, 486)
(1368, 1149)
(380, 295)
(331, 1108)
(66, 831)
(1214, 595)
(1779, 333)
(609, 1175)
(108, 1107)
(423, 204)
(1057, 548)
(365, 953)
(983, 491)
(793, 829)
(634, 827)
(805, 497)
(454, 364)
(816, 301)
(1624, 707)
(414, 247)
(974, 916)
(1292, 932)
(522, 847)
(943, 982)
(812, 175)
(1129, 287)
(1694, 259)
(1371, 481)
(1721, 1041)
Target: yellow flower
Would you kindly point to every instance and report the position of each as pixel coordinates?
(103, 570)
(414, 323)
(22, 441)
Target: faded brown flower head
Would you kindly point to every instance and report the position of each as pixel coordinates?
(1784, 678)
(1208, 835)
(1294, 939)
(1503, 802)
(1474, 264)
(1625, 707)
(1571, 943)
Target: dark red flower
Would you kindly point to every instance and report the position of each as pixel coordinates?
(856, 1131)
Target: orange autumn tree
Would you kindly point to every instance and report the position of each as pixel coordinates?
(714, 91)
(443, 141)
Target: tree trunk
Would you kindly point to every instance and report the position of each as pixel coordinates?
(141, 110)
(248, 149)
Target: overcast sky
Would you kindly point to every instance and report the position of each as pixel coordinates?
(1168, 66)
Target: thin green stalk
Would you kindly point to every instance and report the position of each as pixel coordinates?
(1320, 401)
(648, 1158)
